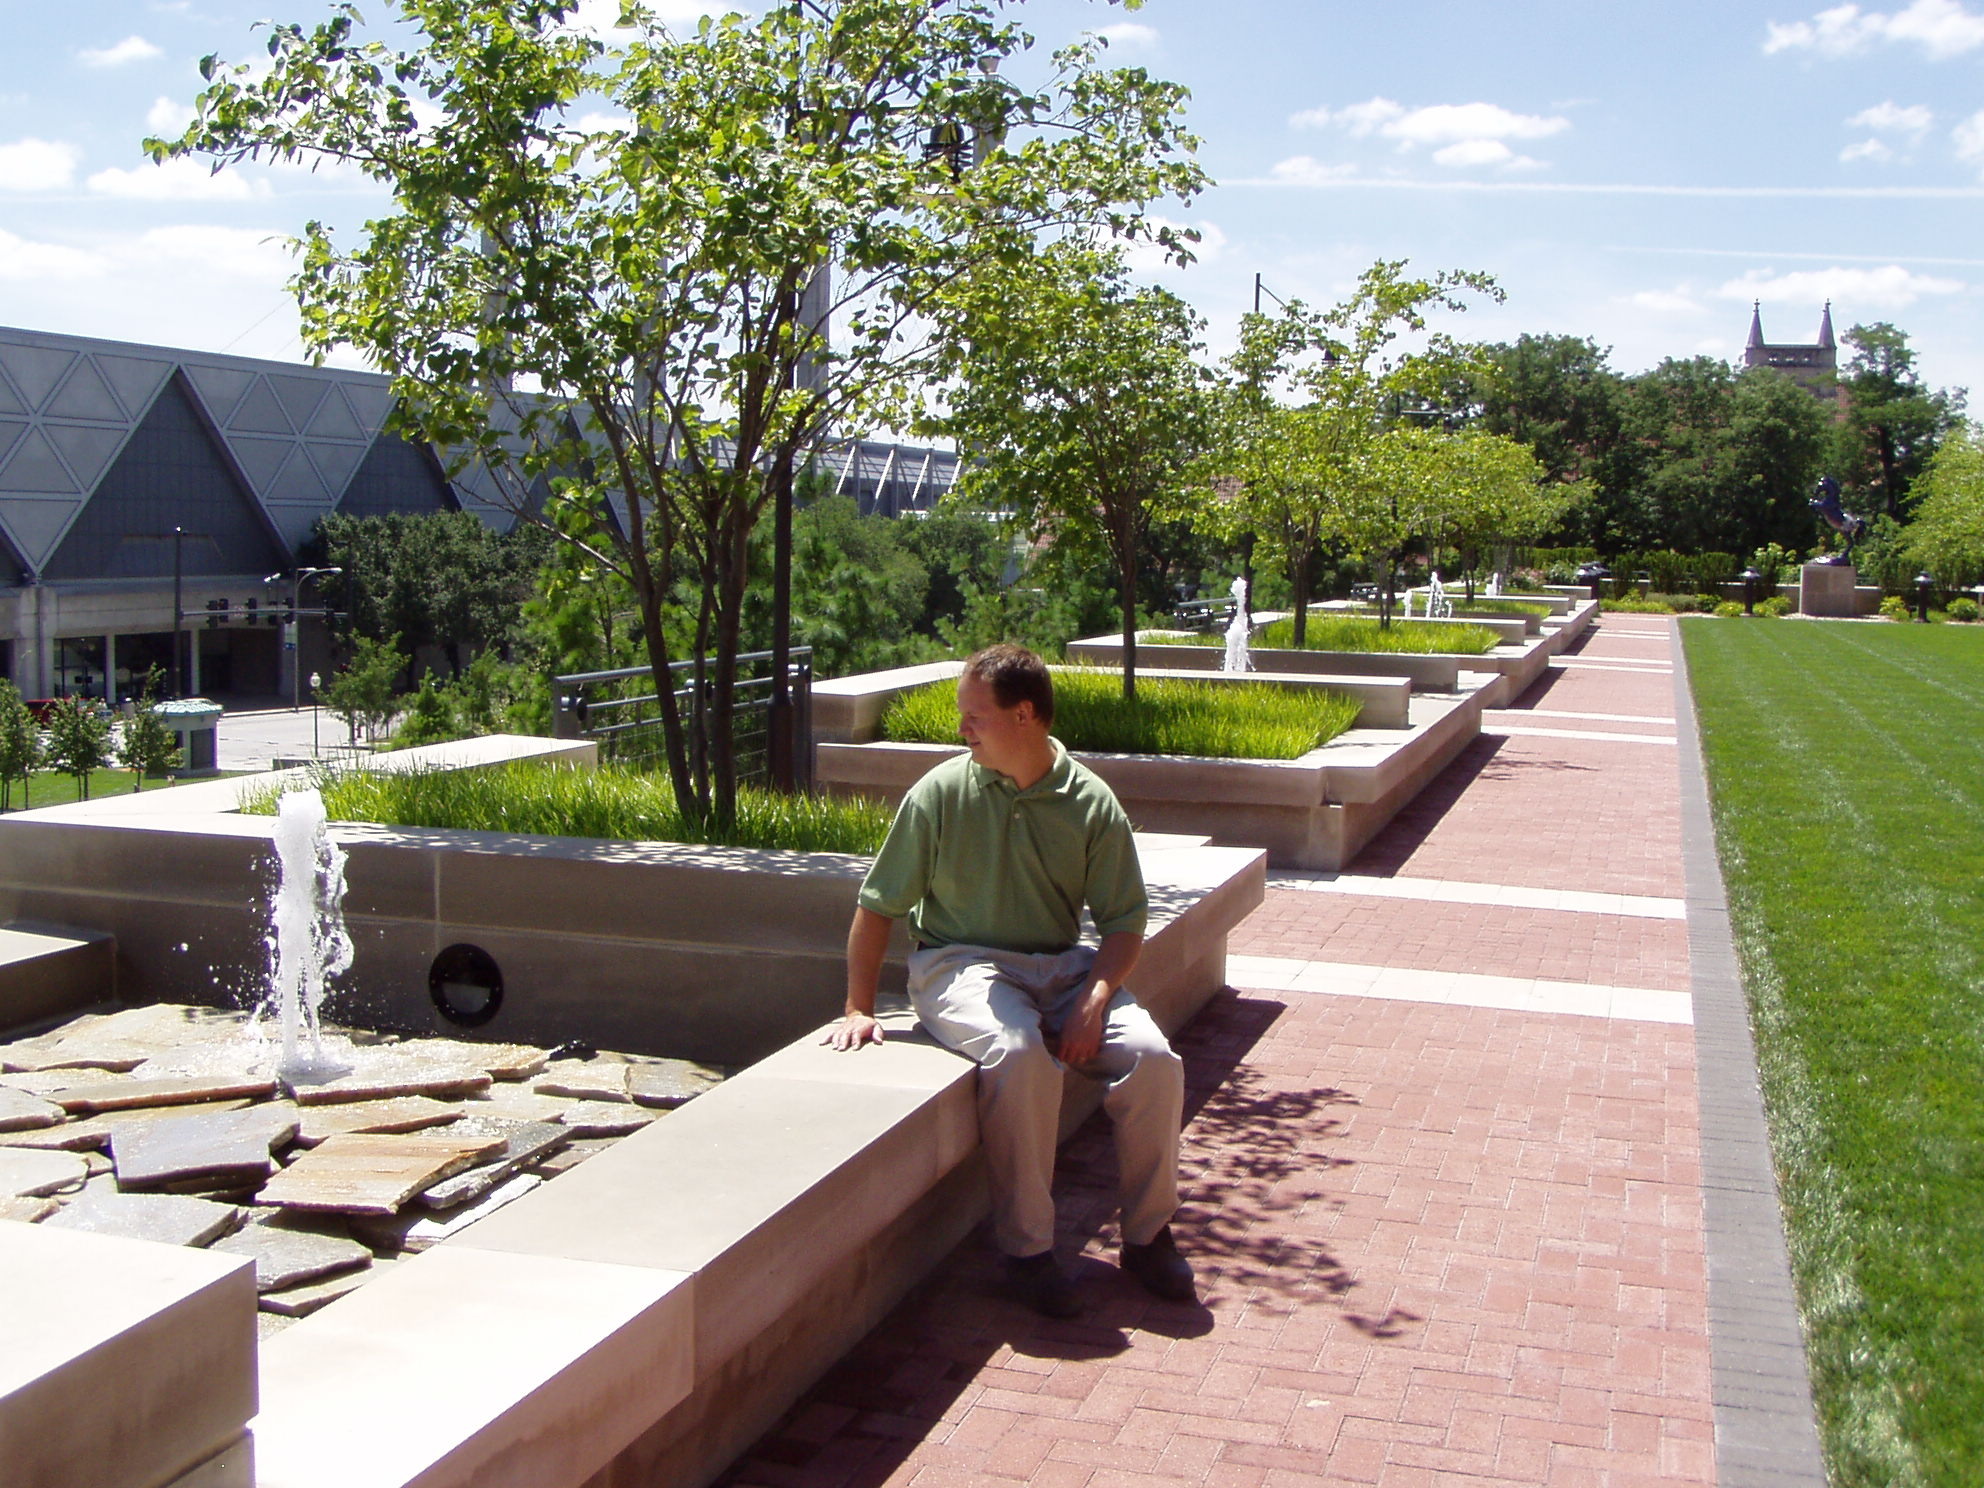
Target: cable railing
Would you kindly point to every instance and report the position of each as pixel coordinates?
(621, 712)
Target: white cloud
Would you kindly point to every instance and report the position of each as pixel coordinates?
(175, 180)
(1130, 35)
(168, 116)
(130, 49)
(37, 165)
(1459, 134)
(1942, 28)
(1663, 301)
(1359, 119)
(1306, 170)
(1479, 152)
(596, 17)
(1890, 117)
(224, 254)
(1889, 287)
(1968, 138)
(1867, 149)
(1147, 258)
(35, 262)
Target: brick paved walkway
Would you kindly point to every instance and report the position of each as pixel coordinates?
(1438, 1241)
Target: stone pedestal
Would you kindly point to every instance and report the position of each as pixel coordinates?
(1827, 589)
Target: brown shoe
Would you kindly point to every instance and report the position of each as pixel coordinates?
(1159, 1269)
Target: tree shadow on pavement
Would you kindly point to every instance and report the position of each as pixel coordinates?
(1254, 1154)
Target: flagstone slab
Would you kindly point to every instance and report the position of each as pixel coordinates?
(27, 1211)
(383, 1074)
(606, 1118)
(668, 1083)
(594, 1080)
(402, 1113)
(511, 1102)
(89, 1132)
(168, 1219)
(28, 1174)
(38, 1082)
(432, 1230)
(522, 1144)
(373, 1172)
(571, 1155)
(500, 1062)
(227, 1150)
(172, 1090)
(20, 1111)
(306, 1297)
(286, 1257)
(80, 1053)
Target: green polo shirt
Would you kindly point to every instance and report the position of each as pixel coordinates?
(971, 860)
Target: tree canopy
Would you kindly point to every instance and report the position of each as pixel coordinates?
(1083, 398)
(610, 265)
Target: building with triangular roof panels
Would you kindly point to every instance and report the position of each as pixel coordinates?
(131, 474)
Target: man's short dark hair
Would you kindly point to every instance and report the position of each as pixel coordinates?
(1015, 676)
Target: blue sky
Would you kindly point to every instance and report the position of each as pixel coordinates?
(1637, 174)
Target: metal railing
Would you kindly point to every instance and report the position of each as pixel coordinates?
(621, 712)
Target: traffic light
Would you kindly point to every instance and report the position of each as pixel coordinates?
(216, 613)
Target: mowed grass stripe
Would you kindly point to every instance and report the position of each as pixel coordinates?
(1845, 766)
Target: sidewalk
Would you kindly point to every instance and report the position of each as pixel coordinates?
(1444, 1157)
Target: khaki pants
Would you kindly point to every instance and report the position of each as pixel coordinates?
(997, 1008)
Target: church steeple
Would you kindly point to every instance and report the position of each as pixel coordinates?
(1756, 340)
(1825, 328)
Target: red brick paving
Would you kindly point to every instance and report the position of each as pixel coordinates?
(1608, 950)
(1437, 1244)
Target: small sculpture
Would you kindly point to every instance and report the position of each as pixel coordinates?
(1237, 631)
(1852, 528)
(1438, 606)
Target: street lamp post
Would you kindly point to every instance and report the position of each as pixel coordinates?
(316, 710)
(178, 616)
(296, 582)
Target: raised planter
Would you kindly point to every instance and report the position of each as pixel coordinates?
(642, 1318)
(1427, 673)
(1314, 812)
(853, 706)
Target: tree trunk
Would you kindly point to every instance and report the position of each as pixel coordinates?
(1305, 550)
(1126, 561)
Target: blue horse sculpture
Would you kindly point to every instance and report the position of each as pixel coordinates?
(1848, 526)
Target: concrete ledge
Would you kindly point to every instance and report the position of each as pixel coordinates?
(1427, 673)
(848, 710)
(123, 1364)
(469, 1366)
(51, 971)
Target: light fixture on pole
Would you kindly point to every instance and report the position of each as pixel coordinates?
(316, 709)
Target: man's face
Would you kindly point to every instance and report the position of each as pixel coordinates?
(1000, 738)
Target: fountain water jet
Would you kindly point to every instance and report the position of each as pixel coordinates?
(307, 939)
(1237, 632)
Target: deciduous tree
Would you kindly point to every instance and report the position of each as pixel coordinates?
(1083, 400)
(606, 263)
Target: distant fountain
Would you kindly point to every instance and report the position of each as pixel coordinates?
(1495, 584)
(1438, 606)
(308, 943)
(1238, 630)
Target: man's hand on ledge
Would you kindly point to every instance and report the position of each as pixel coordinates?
(853, 1031)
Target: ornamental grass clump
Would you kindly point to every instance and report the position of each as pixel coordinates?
(609, 802)
(1208, 720)
(1358, 633)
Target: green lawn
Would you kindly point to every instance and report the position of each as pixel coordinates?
(1846, 767)
(48, 788)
